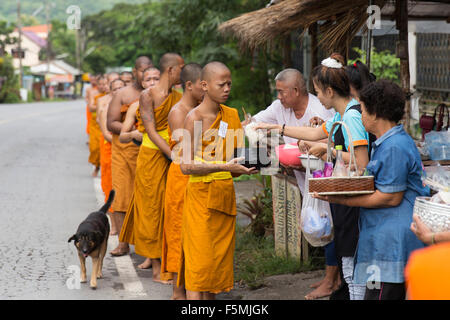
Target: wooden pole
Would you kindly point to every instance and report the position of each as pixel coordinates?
(401, 15)
(369, 43)
(314, 51)
(19, 27)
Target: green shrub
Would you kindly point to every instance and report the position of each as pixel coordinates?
(9, 92)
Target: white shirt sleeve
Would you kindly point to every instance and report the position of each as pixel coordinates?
(268, 115)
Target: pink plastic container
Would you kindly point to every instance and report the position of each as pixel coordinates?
(288, 154)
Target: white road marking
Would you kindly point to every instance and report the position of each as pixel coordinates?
(124, 265)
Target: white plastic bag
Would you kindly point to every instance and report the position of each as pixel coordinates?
(315, 221)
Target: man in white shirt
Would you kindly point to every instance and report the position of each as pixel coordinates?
(294, 107)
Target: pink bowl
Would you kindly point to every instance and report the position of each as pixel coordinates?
(288, 157)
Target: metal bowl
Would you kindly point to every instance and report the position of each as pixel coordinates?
(314, 162)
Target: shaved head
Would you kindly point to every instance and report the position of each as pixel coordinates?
(212, 69)
(143, 61)
(190, 72)
(169, 60)
(293, 78)
(112, 76)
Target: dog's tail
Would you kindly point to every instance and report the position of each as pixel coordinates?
(108, 203)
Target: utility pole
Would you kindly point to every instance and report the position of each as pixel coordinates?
(77, 47)
(19, 27)
(369, 43)
(47, 16)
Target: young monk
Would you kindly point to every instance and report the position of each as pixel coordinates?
(176, 180)
(124, 156)
(130, 133)
(94, 129)
(127, 78)
(105, 143)
(154, 106)
(209, 214)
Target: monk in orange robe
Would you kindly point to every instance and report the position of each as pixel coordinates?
(154, 106)
(105, 141)
(94, 129)
(176, 180)
(124, 156)
(209, 214)
(92, 91)
(427, 273)
(133, 130)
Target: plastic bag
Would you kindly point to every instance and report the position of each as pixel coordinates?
(316, 222)
(438, 145)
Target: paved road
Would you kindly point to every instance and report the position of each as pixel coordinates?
(45, 191)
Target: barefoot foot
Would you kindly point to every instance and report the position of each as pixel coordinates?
(324, 290)
(95, 173)
(118, 252)
(147, 264)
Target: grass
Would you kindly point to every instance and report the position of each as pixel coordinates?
(244, 177)
(255, 259)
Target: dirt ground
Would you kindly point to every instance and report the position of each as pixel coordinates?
(279, 287)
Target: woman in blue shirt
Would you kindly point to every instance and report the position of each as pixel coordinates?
(385, 239)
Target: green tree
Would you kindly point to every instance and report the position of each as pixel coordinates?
(5, 38)
(383, 64)
(188, 27)
(9, 81)
(62, 43)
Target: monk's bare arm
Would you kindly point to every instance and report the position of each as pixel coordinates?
(88, 94)
(148, 119)
(127, 133)
(176, 118)
(91, 105)
(189, 167)
(113, 123)
(101, 119)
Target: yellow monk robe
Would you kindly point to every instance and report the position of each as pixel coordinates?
(427, 273)
(173, 214)
(105, 167)
(209, 215)
(94, 136)
(150, 187)
(123, 166)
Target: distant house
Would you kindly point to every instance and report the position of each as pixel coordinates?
(34, 38)
(57, 71)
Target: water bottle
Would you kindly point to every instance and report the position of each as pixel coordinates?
(339, 167)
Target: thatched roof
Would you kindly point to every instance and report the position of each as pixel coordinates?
(344, 18)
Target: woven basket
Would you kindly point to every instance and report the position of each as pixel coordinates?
(435, 215)
(342, 185)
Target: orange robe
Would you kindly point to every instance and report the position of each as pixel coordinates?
(427, 273)
(123, 166)
(105, 167)
(147, 207)
(94, 136)
(88, 118)
(173, 214)
(209, 215)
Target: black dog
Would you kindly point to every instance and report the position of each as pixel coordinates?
(91, 239)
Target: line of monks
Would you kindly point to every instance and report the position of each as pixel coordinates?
(179, 215)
